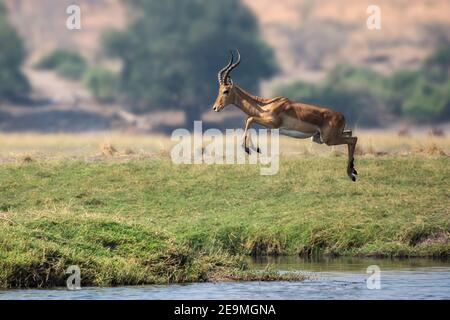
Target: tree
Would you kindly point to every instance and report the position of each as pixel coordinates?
(436, 66)
(102, 83)
(427, 101)
(67, 63)
(172, 51)
(425, 94)
(13, 83)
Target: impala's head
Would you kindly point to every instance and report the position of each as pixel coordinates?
(226, 87)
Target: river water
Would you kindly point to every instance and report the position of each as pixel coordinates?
(331, 278)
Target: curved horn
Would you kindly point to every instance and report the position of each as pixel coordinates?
(234, 65)
(219, 75)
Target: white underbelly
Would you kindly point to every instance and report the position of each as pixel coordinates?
(290, 123)
(296, 134)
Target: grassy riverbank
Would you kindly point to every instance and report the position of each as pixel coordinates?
(149, 221)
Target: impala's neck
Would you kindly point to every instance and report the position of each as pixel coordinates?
(247, 102)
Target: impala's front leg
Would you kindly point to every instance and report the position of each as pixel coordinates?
(248, 123)
(246, 143)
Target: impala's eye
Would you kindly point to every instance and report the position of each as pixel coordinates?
(226, 92)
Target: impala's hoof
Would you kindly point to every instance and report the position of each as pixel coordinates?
(257, 149)
(351, 169)
(351, 175)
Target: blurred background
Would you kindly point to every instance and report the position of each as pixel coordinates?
(149, 66)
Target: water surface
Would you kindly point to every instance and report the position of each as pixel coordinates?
(342, 278)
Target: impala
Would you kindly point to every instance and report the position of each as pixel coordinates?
(293, 119)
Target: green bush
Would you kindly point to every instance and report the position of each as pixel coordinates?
(352, 77)
(71, 69)
(436, 67)
(428, 101)
(67, 63)
(102, 83)
(425, 94)
(13, 82)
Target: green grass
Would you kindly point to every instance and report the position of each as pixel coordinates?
(149, 221)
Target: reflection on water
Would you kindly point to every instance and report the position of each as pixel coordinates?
(343, 278)
(345, 264)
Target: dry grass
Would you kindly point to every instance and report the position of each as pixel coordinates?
(434, 150)
(14, 147)
(436, 132)
(108, 149)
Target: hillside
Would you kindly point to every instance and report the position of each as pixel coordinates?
(306, 35)
(309, 37)
(42, 24)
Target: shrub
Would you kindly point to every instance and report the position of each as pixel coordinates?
(67, 63)
(72, 70)
(13, 82)
(102, 83)
(428, 101)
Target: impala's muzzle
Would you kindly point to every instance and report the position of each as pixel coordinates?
(217, 108)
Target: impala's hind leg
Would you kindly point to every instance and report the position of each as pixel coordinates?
(351, 143)
(337, 136)
(351, 171)
(351, 149)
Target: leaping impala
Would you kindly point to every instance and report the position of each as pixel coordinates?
(294, 119)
